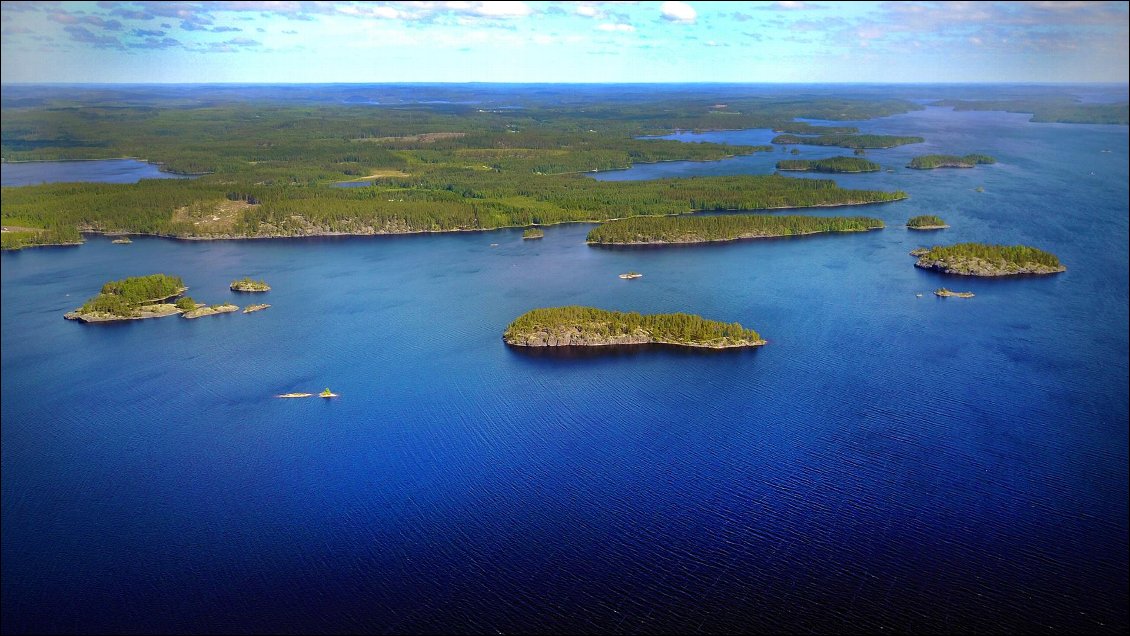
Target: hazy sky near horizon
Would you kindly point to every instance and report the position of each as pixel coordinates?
(564, 42)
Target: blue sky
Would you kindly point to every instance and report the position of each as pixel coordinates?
(564, 42)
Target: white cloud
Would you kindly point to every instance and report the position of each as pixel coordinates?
(624, 28)
(587, 10)
(678, 12)
(501, 9)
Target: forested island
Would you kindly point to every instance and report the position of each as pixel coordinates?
(245, 284)
(269, 166)
(942, 292)
(589, 327)
(132, 299)
(926, 222)
(979, 259)
(848, 141)
(533, 233)
(929, 162)
(15, 237)
(830, 165)
(730, 227)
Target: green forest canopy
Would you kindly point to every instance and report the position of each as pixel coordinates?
(926, 162)
(925, 220)
(268, 167)
(831, 164)
(1019, 255)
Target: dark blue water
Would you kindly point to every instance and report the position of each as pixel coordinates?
(101, 170)
(886, 462)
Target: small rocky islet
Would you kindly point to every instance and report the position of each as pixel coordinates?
(245, 284)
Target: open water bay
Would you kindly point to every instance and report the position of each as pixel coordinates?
(886, 461)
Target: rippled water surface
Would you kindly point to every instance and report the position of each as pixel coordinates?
(887, 461)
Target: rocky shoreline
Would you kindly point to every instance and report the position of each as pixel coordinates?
(160, 310)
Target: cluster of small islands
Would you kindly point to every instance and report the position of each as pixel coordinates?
(141, 297)
(276, 172)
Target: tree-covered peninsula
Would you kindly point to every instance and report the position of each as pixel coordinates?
(929, 162)
(270, 161)
(131, 299)
(926, 222)
(15, 237)
(729, 227)
(590, 327)
(979, 259)
(848, 141)
(830, 165)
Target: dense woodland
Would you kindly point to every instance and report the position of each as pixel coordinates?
(830, 165)
(668, 328)
(728, 227)
(268, 168)
(928, 162)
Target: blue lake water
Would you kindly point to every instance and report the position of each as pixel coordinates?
(886, 462)
(101, 170)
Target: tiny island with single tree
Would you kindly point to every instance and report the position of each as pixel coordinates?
(929, 162)
(133, 298)
(834, 165)
(575, 326)
(926, 222)
(978, 259)
(252, 308)
(730, 227)
(245, 284)
(533, 233)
